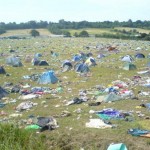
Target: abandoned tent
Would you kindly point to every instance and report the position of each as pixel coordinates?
(48, 78)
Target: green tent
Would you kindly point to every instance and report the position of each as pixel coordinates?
(111, 97)
(119, 146)
(129, 66)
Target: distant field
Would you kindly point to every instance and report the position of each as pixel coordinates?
(91, 31)
(24, 32)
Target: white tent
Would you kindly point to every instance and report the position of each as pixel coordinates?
(127, 58)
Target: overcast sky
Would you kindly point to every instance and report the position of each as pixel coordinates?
(73, 10)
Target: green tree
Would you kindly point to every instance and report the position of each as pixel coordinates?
(2, 30)
(67, 34)
(76, 34)
(83, 34)
(34, 33)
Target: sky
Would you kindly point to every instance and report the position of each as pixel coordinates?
(73, 10)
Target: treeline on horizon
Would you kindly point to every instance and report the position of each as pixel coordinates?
(62, 24)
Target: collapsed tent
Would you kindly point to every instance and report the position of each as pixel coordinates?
(3, 93)
(48, 77)
(28, 59)
(14, 61)
(127, 58)
(2, 70)
(129, 66)
(139, 55)
(111, 97)
(81, 67)
(53, 54)
(101, 56)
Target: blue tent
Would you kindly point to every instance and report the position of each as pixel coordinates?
(67, 62)
(3, 93)
(76, 58)
(139, 55)
(82, 68)
(2, 70)
(48, 77)
(38, 55)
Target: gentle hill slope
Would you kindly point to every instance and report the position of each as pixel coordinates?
(24, 32)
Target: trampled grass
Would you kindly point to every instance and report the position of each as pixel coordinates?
(72, 133)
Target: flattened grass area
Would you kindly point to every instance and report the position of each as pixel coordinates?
(72, 133)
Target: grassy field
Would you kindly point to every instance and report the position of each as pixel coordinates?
(72, 133)
(24, 32)
(93, 31)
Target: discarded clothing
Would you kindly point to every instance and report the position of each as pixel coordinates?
(15, 89)
(76, 100)
(29, 96)
(25, 105)
(33, 126)
(94, 104)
